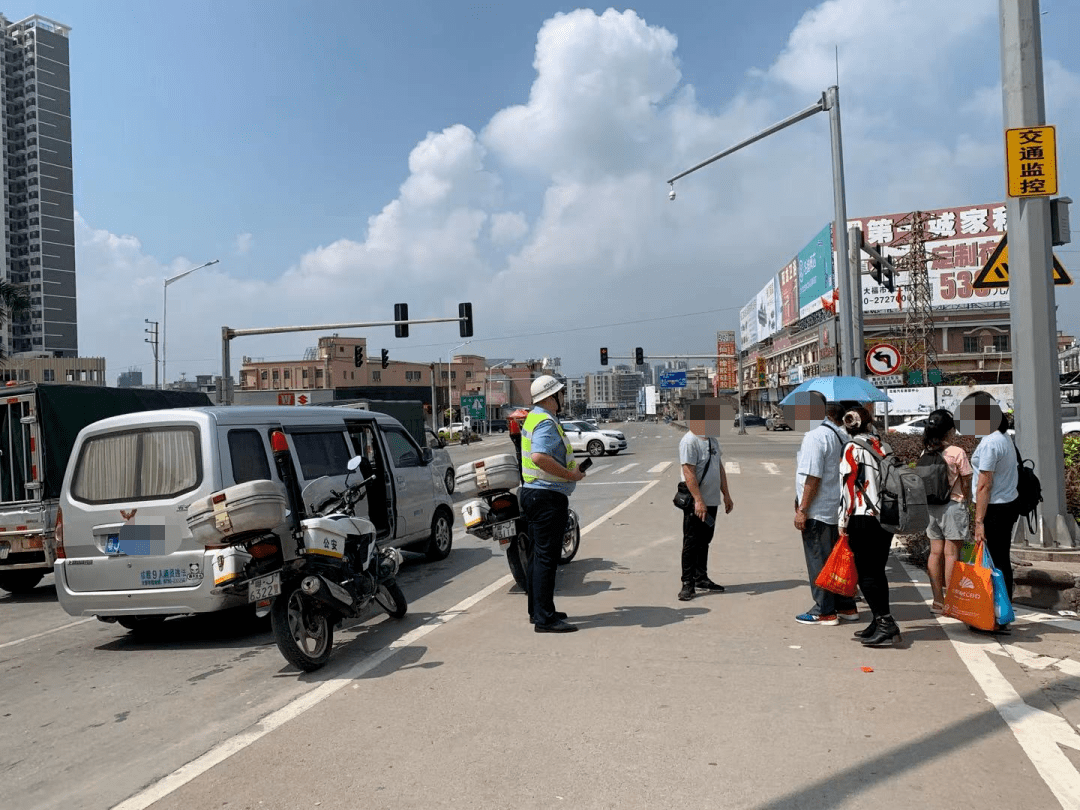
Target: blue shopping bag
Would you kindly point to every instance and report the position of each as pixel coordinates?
(1003, 610)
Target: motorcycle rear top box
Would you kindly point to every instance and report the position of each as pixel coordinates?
(249, 507)
(487, 474)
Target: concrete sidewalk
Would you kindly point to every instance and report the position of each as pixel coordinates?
(723, 702)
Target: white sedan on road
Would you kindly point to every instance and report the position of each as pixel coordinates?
(914, 426)
(585, 438)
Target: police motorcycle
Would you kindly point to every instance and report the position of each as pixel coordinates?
(496, 515)
(337, 571)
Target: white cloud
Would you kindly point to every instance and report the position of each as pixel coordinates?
(594, 239)
(244, 241)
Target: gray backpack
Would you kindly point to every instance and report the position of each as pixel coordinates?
(903, 508)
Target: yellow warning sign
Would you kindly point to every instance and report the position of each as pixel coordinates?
(1031, 161)
(995, 272)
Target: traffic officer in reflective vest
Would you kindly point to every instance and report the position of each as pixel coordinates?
(549, 473)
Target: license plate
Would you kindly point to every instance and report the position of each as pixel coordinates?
(504, 532)
(264, 587)
(112, 544)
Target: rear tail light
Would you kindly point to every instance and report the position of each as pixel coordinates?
(260, 551)
(502, 503)
(58, 532)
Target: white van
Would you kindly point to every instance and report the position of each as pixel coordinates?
(147, 468)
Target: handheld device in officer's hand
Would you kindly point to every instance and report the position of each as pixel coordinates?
(584, 465)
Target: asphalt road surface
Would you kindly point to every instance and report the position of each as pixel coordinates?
(720, 702)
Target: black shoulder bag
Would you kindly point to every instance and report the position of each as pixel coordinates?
(683, 500)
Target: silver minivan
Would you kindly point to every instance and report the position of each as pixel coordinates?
(146, 469)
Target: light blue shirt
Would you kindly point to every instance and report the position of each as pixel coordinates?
(819, 456)
(996, 454)
(547, 440)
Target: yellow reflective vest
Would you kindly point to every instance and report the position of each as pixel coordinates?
(529, 471)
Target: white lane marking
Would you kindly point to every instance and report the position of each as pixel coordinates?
(1032, 660)
(771, 468)
(45, 633)
(659, 468)
(1024, 615)
(598, 467)
(732, 467)
(219, 753)
(621, 470)
(1041, 734)
(615, 510)
(619, 483)
(274, 720)
(653, 544)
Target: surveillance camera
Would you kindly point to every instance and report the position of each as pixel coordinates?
(671, 194)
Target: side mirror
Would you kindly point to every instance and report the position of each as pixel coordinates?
(427, 455)
(354, 463)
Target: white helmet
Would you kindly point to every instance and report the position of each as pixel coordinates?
(544, 387)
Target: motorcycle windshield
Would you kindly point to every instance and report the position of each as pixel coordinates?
(317, 493)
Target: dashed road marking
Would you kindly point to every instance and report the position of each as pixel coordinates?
(732, 467)
(659, 468)
(770, 467)
(45, 633)
(621, 470)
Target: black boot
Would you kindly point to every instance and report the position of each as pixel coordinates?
(886, 632)
(867, 631)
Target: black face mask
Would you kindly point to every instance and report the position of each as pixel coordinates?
(558, 403)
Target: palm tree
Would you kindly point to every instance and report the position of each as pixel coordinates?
(14, 303)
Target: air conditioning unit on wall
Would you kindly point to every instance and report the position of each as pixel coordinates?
(989, 350)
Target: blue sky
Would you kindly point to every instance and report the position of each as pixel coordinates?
(339, 157)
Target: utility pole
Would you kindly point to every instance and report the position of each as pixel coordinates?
(1032, 309)
(153, 341)
(920, 353)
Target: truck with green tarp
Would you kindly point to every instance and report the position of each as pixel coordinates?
(38, 427)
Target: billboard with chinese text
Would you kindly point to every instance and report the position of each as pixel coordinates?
(959, 240)
(788, 283)
(815, 263)
(766, 310)
(726, 378)
(748, 331)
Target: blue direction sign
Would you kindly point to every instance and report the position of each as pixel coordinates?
(673, 379)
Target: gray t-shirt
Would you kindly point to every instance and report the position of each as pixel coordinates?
(695, 450)
(819, 456)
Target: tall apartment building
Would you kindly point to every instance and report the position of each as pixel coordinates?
(39, 213)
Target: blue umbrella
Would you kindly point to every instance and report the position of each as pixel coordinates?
(838, 389)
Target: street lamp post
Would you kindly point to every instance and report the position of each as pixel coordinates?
(450, 385)
(165, 313)
(487, 395)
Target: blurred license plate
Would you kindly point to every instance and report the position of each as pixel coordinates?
(504, 532)
(264, 587)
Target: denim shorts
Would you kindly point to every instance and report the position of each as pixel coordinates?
(949, 521)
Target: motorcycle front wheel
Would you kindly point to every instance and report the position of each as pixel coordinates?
(391, 599)
(304, 633)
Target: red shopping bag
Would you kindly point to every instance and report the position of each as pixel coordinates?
(838, 574)
(970, 595)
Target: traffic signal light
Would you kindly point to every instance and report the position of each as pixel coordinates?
(881, 273)
(401, 313)
(603, 357)
(385, 358)
(464, 312)
(639, 356)
(358, 356)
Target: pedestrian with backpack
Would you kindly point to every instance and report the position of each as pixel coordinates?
(946, 473)
(861, 493)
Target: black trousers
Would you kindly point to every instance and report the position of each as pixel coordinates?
(999, 522)
(870, 545)
(548, 513)
(696, 536)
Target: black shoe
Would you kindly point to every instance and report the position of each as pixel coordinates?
(867, 631)
(687, 593)
(708, 585)
(886, 633)
(555, 627)
(559, 616)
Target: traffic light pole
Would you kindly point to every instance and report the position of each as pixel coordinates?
(1032, 308)
(228, 333)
